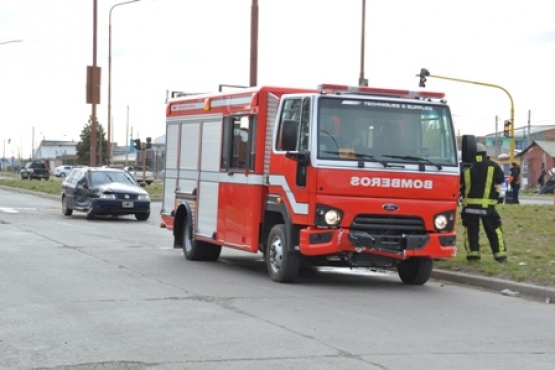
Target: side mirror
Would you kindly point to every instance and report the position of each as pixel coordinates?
(469, 148)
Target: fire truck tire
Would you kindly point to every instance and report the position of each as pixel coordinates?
(415, 271)
(212, 251)
(192, 249)
(282, 264)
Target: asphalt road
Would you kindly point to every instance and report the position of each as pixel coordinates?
(112, 294)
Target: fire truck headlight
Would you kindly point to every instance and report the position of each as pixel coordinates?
(326, 216)
(441, 222)
(332, 217)
(445, 221)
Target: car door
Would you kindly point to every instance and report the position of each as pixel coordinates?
(82, 192)
(68, 188)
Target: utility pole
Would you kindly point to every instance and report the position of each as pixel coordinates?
(254, 44)
(361, 80)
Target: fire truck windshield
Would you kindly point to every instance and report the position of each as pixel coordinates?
(385, 130)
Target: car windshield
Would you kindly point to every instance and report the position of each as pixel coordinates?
(101, 178)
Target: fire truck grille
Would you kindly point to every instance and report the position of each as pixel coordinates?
(389, 225)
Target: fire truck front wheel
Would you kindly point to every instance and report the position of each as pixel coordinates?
(415, 271)
(282, 264)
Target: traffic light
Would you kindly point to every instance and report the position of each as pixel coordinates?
(423, 73)
(507, 129)
(148, 142)
(137, 144)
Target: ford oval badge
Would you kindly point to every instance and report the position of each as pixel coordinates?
(390, 207)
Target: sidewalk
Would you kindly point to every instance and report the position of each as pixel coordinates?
(528, 291)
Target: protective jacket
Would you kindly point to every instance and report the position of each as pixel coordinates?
(480, 183)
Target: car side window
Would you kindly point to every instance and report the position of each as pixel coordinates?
(78, 178)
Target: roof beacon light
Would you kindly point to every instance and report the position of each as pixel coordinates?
(398, 93)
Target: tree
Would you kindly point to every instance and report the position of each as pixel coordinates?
(84, 146)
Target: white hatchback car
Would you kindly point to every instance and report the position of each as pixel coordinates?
(62, 171)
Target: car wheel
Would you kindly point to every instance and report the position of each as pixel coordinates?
(415, 271)
(63, 174)
(149, 182)
(282, 264)
(142, 216)
(90, 214)
(66, 211)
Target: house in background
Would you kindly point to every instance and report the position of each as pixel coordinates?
(533, 145)
(537, 153)
(56, 153)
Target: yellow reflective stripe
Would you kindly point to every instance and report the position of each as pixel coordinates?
(466, 186)
(502, 248)
(480, 201)
(489, 181)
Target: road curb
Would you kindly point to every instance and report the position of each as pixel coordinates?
(528, 291)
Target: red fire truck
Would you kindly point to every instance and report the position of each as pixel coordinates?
(333, 176)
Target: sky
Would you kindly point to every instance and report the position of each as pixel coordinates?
(196, 45)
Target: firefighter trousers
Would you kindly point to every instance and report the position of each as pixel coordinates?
(492, 226)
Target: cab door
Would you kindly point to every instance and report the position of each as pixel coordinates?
(289, 167)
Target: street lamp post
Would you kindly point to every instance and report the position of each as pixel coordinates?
(110, 75)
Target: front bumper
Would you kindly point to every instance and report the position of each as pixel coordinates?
(319, 242)
(116, 207)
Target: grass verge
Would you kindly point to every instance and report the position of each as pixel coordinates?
(54, 185)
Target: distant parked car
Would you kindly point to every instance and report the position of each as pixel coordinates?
(35, 170)
(141, 176)
(104, 191)
(62, 171)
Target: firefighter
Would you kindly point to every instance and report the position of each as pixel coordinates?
(480, 191)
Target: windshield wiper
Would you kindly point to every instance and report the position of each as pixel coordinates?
(371, 158)
(413, 158)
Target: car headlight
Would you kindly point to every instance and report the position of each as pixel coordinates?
(107, 196)
(143, 197)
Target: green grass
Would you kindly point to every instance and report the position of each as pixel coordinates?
(530, 238)
(529, 232)
(54, 185)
